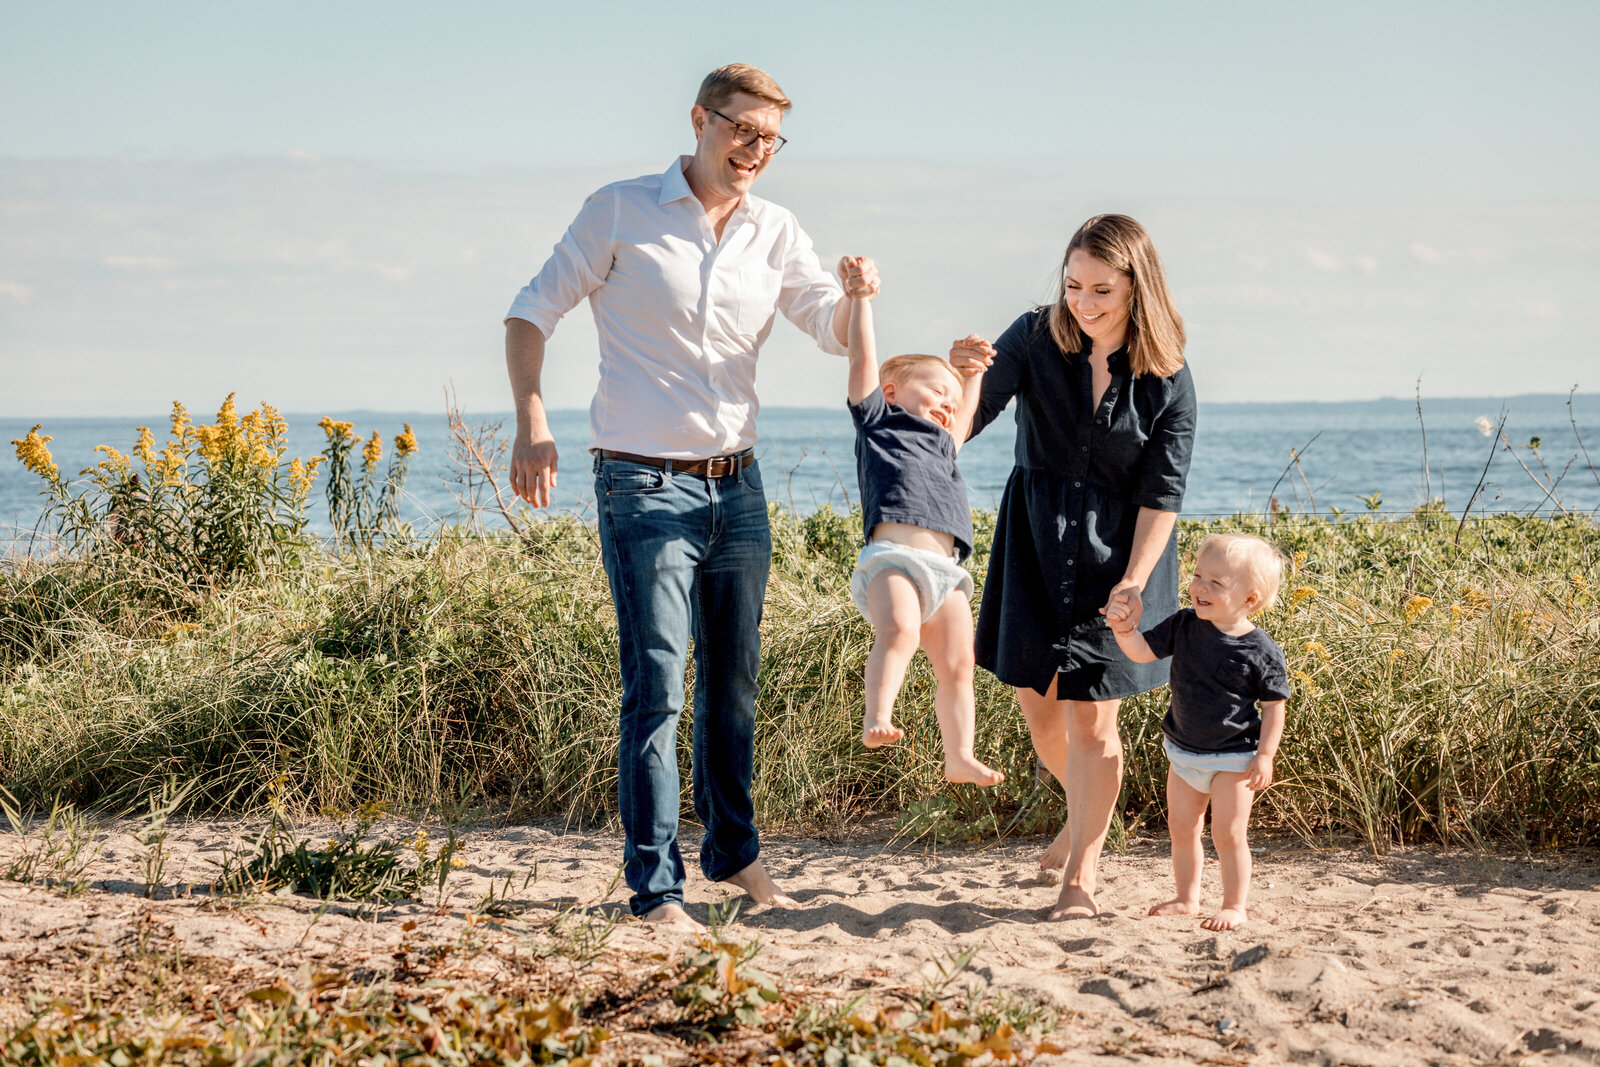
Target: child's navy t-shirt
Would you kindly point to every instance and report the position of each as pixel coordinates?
(906, 468)
(1216, 681)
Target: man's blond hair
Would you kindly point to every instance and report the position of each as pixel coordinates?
(897, 370)
(1258, 557)
(721, 85)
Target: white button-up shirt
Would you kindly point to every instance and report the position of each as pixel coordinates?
(681, 316)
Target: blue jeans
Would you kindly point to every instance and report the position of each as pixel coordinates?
(685, 556)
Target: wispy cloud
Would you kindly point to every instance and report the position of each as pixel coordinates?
(1320, 259)
(139, 262)
(1368, 264)
(16, 292)
(1426, 253)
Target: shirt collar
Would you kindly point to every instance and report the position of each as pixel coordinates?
(674, 186)
(1117, 362)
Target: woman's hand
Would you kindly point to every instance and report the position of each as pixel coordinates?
(971, 355)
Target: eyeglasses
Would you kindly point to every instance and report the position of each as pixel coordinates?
(748, 135)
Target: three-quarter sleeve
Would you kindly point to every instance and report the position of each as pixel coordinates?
(577, 267)
(1007, 375)
(1165, 466)
(809, 294)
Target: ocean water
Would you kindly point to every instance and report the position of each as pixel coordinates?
(1245, 455)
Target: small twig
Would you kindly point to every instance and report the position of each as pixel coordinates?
(1294, 458)
(1427, 479)
(1549, 491)
(1495, 438)
(1573, 418)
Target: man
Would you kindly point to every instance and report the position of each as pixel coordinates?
(685, 271)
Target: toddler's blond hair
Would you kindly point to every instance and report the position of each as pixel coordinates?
(1258, 557)
(900, 369)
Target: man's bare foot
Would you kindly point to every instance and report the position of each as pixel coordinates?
(671, 916)
(1176, 906)
(968, 769)
(1226, 919)
(1075, 902)
(877, 732)
(1054, 860)
(755, 881)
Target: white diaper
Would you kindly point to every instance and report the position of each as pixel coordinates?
(934, 575)
(1199, 768)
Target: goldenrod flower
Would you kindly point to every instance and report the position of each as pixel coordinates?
(115, 464)
(373, 452)
(1307, 686)
(172, 463)
(456, 863)
(420, 844)
(337, 431)
(228, 420)
(1416, 606)
(35, 456)
(405, 443)
(145, 448)
(1395, 654)
(1300, 595)
(182, 428)
(1318, 649)
(261, 457)
(1299, 556)
(213, 442)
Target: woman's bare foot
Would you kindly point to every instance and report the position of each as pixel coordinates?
(671, 916)
(877, 732)
(1075, 902)
(755, 881)
(1226, 919)
(1054, 860)
(1176, 906)
(968, 769)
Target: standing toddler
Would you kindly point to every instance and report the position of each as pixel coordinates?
(908, 581)
(1229, 686)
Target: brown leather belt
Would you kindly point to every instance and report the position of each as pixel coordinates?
(715, 467)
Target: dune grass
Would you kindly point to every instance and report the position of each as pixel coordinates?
(1443, 690)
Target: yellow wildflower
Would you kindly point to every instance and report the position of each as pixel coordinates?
(261, 457)
(1579, 582)
(1416, 607)
(1299, 557)
(1457, 613)
(337, 431)
(1396, 653)
(178, 631)
(182, 428)
(456, 863)
(35, 456)
(115, 463)
(1304, 682)
(145, 448)
(1300, 595)
(420, 844)
(228, 420)
(213, 443)
(405, 443)
(1318, 649)
(374, 450)
(172, 463)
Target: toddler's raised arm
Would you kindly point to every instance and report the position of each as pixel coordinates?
(862, 345)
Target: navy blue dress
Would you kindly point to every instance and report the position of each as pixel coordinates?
(1066, 522)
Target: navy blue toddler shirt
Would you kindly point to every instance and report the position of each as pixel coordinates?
(906, 468)
(1216, 681)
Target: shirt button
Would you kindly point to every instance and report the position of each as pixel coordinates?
(1074, 522)
(1077, 485)
(1072, 562)
(1085, 448)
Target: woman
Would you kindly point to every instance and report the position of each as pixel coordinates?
(1105, 424)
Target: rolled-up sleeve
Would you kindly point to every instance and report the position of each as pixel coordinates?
(577, 267)
(809, 294)
(1166, 455)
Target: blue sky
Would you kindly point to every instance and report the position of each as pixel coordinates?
(330, 206)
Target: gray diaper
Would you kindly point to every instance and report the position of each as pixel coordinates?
(935, 576)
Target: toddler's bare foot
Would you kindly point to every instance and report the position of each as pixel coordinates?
(1075, 902)
(671, 916)
(1054, 859)
(879, 731)
(1176, 906)
(968, 769)
(1226, 919)
(755, 881)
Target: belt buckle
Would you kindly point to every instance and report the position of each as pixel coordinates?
(719, 466)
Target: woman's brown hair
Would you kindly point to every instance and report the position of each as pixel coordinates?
(1155, 329)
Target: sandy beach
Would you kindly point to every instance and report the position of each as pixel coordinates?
(1421, 956)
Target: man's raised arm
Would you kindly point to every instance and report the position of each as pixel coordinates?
(533, 450)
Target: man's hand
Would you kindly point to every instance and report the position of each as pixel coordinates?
(533, 469)
(971, 355)
(859, 276)
(1259, 773)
